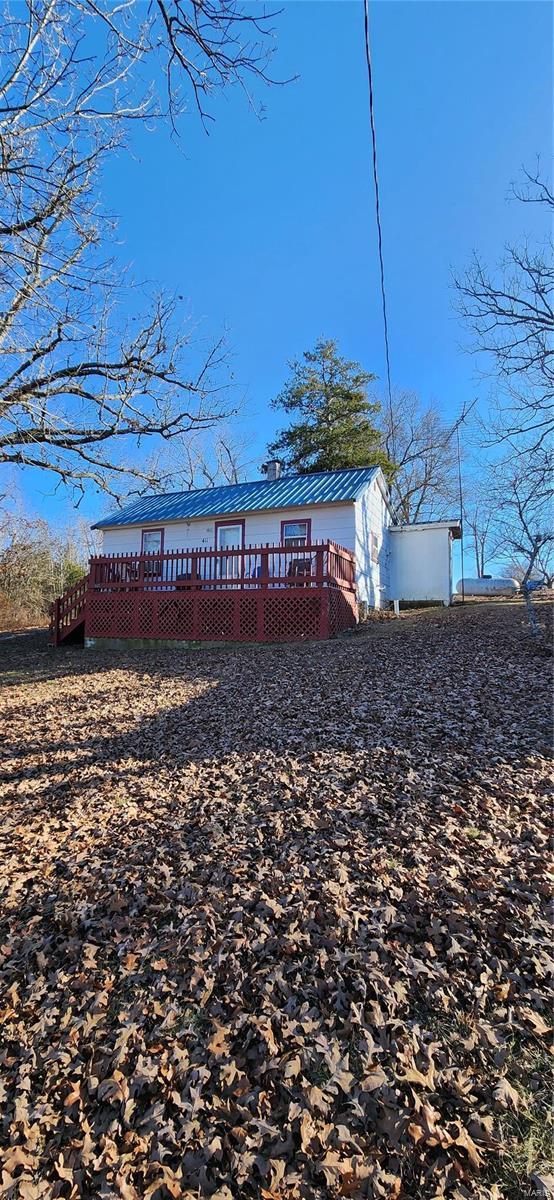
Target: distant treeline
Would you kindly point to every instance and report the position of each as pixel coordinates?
(36, 565)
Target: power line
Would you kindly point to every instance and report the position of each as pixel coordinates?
(378, 214)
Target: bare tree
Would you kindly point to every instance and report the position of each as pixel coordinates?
(511, 316)
(480, 523)
(85, 542)
(424, 484)
(208, 459)
(225, 463)
(524, 516)
(86, 376)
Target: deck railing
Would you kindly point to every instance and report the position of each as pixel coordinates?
(320, 564)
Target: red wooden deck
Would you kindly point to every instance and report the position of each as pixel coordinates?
(256, 594)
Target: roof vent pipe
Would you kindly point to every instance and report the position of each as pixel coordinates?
(272, 469)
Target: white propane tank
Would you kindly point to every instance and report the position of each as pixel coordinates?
(488, 586)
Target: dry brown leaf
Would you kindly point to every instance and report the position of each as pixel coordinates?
(506, 1095)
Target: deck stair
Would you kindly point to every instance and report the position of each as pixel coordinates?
(67, 614)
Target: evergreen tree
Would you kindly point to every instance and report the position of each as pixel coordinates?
(335, 425)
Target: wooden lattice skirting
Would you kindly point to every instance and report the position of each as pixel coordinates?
(279, 615)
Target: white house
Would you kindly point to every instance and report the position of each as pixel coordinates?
(287, 558)
(349, 507)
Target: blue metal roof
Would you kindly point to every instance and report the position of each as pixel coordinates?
(290, 491)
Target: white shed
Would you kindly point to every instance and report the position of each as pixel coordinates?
(421, 561)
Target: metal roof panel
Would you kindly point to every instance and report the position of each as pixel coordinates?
(290, 491)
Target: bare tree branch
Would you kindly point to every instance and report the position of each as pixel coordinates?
(534, 190)
(511, 317)
(86, 377)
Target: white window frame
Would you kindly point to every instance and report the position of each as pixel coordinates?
(293, 541)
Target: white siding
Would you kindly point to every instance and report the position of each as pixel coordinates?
(421, 564)
(372, 575)
(329, 521)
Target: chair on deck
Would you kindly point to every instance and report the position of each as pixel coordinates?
(300, 569)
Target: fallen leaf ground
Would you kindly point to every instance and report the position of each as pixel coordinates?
(274, 920)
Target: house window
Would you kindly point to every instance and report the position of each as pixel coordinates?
(152, 541)
(374, 547)
(295, 533)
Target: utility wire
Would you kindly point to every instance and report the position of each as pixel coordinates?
(378, 216)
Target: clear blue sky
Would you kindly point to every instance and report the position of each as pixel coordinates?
(267, 227)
